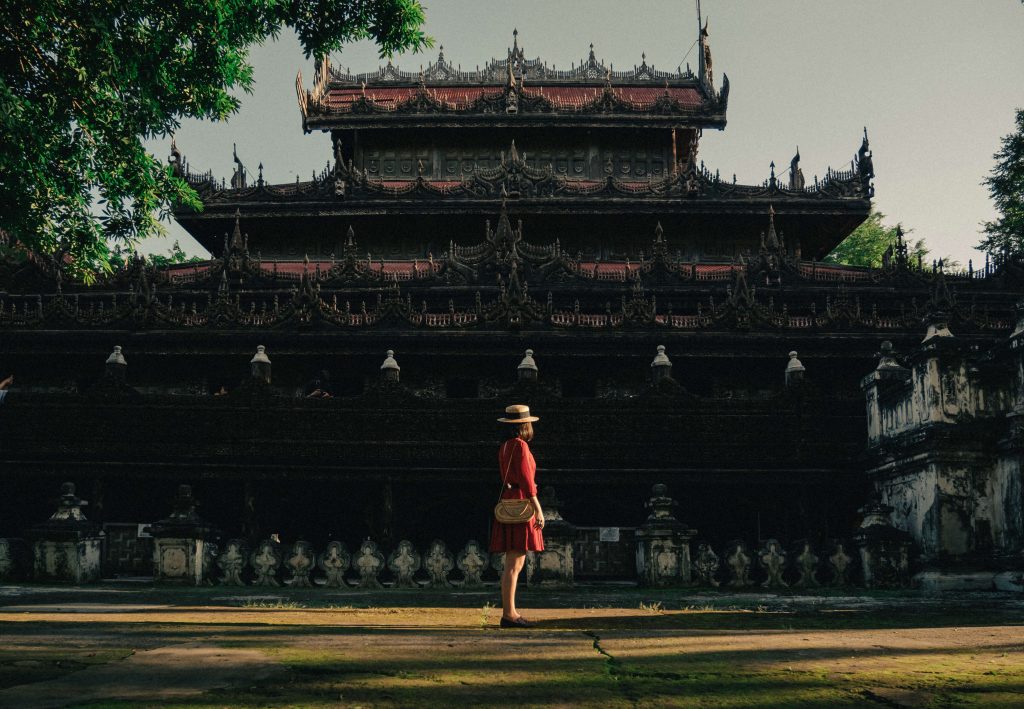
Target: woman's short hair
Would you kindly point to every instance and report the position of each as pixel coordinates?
(523, 431)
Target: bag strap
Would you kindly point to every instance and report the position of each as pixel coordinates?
(508, 466)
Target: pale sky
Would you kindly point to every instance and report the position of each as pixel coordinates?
(936, 83)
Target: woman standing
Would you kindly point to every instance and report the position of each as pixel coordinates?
(517, 469)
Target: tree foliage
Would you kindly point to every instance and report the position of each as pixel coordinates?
(867, 243)
(1006, 185)
(82, 84)
(120, 256)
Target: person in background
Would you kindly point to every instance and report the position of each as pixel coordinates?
(319, 387)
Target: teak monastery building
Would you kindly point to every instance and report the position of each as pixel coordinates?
(512, 234)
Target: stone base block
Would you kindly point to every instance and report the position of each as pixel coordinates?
(554, 564)
(179, 560)
(70, 561)
(939, 581)
(1010, 581)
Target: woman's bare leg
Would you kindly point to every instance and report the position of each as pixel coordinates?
(509, 577)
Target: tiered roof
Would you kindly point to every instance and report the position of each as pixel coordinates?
(511, 91)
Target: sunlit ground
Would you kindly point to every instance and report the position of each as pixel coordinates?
(217, 647)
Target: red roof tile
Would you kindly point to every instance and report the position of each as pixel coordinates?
(461, 98)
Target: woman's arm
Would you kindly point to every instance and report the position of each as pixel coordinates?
(538, 520)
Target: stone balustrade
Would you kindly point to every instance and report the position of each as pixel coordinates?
(667, 552)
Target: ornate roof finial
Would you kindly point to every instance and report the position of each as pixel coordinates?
(440, 55)
(236, 235)
(515, 39)
(772, 240)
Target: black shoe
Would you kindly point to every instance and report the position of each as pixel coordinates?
(519, 622)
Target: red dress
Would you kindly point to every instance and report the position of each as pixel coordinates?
(514, 455)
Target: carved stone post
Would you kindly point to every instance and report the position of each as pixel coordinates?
(300, 560)
(773, 561)
(369, 562)
(179, 540)
(706, 565)
(737, 560)
(555, 563)
(389, 371)
(335, 562)
(259, 365)
(661, 366)
(472, 562)
(527, 370)
(266, 560)
(840, 564)
(806, 565)
(404, 562)
(438, 563)
(663, 543)
(15, 559)
(68, 547)
(884, 549)
(232, 562)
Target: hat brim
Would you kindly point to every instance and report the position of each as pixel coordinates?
(528, 419)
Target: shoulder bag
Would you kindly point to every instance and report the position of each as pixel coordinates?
(511, 511)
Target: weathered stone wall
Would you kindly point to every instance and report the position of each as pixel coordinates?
(944, 450)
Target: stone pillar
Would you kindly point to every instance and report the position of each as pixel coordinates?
(555, 563)
(885, 383)
(661, 366)
(794, 371)
(259, 365)
(179, 541)
(663, 543)
(389, 371)
(884, 550)
(68, 547)
(117, 366)
(527, 370)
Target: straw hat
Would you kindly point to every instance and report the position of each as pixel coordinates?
(518, 413)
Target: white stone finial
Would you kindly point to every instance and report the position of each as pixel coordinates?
(528, 362)
(794, 364)
(261, 356)
(116, 357)
(661, 359)
(390, 362)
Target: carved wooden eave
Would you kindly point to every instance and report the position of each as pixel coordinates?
(679, 297)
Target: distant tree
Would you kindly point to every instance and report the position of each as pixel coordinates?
(867, 243)
(1006, 185)
(82, 84)
(119, 257)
